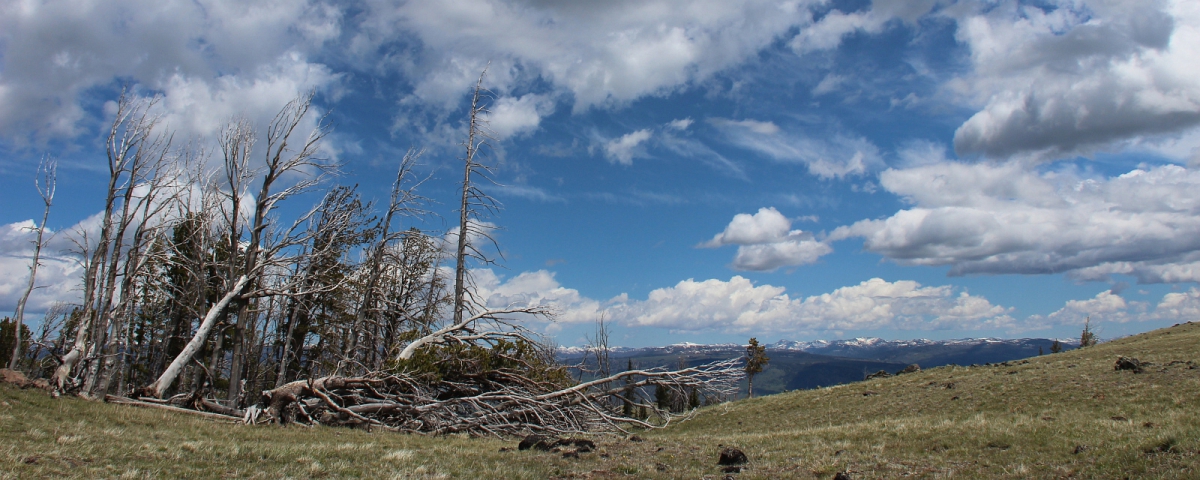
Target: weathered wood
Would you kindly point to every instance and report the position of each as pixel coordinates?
(491, 402)
(170, 408)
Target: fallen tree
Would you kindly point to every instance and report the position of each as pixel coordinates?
(482, 376)
(501, 401)
(504, 402)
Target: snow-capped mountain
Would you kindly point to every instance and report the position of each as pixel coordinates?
(829, 347)
(880, 349)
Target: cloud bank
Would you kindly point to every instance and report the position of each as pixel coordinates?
(1004, 219)
(209, 59)
(1074, 77)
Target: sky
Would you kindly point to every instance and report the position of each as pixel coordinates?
(691, 171)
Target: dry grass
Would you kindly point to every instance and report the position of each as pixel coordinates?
(1024, 420)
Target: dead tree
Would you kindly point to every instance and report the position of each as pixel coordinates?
(404, 201)
(474, 202)
(135, 151)
(508, 403)
(47, 170)
(436, 358)
(259, 255)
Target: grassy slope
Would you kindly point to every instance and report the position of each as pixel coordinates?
(1019, 421)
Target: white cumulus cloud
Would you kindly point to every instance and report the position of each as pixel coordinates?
(622, 150)
(533, 289)
(1077, 76)
(515, 116)
(740, 306)
(203, 56)
(1003, 218)
(600, 53)
(58, 275)
(766, 242)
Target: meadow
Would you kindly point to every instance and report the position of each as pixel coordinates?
(1065, 415)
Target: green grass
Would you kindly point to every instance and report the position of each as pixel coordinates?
(1024, 420)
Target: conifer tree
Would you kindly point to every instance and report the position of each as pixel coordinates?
(756, 359)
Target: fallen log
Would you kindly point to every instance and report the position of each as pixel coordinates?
(170, 408)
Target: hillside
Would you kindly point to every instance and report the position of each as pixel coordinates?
(1062, 415)
(806, 365)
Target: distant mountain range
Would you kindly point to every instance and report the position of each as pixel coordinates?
(798, 365)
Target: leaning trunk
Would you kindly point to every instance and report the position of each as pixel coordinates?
(168, 376)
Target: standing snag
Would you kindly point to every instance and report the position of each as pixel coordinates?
(48, 170)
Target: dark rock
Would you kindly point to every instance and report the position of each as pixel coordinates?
(582, 445)
(732, 469)
(1080, 449)
(841, 476)
(537, 442)
(869, 393)
(732, 456)
(879, 374)
(548, 443)
(634, 438)
(1128, 363)
(914, 368)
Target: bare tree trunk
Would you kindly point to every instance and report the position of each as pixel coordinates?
(168, 376)
(473, 200)
(119, 143)
(48, 168)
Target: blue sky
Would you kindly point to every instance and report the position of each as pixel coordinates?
(699, 171)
